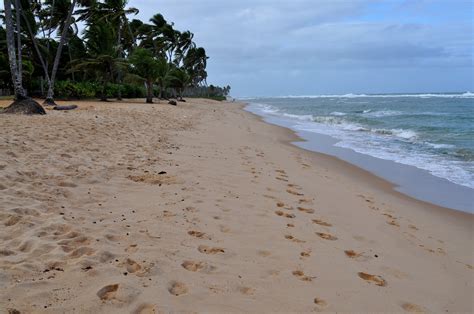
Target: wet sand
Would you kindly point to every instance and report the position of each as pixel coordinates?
(135, 208)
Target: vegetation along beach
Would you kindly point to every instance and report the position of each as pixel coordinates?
(174, 156)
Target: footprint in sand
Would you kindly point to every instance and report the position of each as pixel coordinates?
(379, 281)
(322, 222)
(224, 229)
(296, 186)
(412, 227)
(197, 266)
(301, 276)
(12, 220)
(280, 204)
(210, 250)
(108, 292)
(264, 253)
(292, 238)
(132, 266)
(294, 192)
(199, 234)
(393, 222)
(320, 303)
(132, 248)
(192, 266)
(145, 309)
(280, 213)
(412, 308)
(326, 236)
(306, 210)
(352, 253)
(247, 290)
(82, 251)
(306, 253)
(177, 288)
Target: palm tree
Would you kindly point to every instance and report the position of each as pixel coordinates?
(164, 75)
(179, 81)
(102, 62)
(185, 42)
(22, 104)
(146, 68)
(195, 63)
(20, 92)
(114, 11)
(64, 32)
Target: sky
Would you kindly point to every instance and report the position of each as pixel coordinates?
(309, 47)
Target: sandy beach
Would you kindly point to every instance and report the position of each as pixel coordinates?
(126, 207)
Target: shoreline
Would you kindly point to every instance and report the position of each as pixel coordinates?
(405, 179)
(372, 180)
(205, 207)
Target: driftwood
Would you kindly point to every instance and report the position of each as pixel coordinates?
(24, 106)
(69, 107)
(172, 102)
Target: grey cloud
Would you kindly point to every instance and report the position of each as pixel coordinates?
(316, 46)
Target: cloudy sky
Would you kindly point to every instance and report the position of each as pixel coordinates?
(304, 47)
(307, 47)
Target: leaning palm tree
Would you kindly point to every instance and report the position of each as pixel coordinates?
(64, 32)
(15, 70)
(185, 42)
(164, 75)
(179, 81)
(53, 19)
(115, 12)
(146, 69)
(22, 103)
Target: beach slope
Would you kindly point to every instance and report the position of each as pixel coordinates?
(142, 208)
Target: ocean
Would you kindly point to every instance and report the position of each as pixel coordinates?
(432, 132)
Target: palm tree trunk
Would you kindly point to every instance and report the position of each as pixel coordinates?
(38, 52)
(19, 91)
(161, 91)
(119, 72)
(103, 94)
(149, 90)
(18, 40)
(50, 96)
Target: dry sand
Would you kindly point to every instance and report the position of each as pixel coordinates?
(241, 221)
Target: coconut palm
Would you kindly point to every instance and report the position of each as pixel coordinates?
(15, 71)
(185, 42)
(179, 81)
(103, 62)
(146, 68)
(164, 75)
(64, 28)
(22, 103)
(115, 12)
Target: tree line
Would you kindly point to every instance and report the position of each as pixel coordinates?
(85, 48)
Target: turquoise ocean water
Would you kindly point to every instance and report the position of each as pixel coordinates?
(433, 132)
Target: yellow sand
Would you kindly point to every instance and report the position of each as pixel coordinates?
(240, 222)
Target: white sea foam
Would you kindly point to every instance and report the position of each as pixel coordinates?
(350, 95)
(382, 113)
(379, 142)
(439, 146)
(402, 133)
(306, 117)
(337, 113)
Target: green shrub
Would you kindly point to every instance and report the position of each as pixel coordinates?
(75, 90)
(84, 90)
